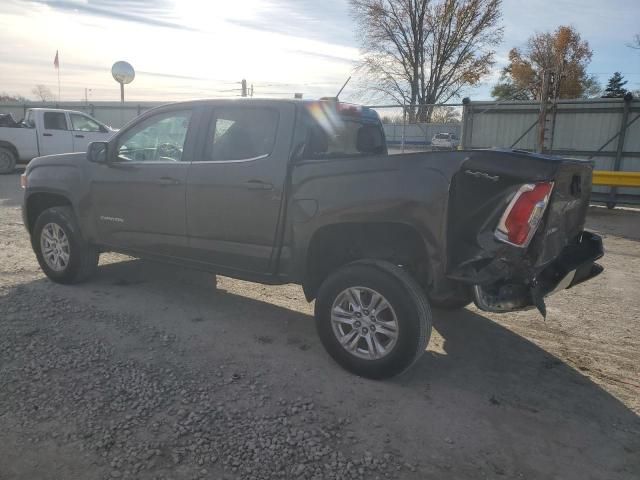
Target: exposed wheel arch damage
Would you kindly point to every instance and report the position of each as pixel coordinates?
(335, 245)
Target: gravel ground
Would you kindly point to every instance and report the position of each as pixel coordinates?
(153, 372)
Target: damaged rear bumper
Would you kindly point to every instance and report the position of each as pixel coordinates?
(576, 264)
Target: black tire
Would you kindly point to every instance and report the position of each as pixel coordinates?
(7, 161)
(83, 258)
(409, 304)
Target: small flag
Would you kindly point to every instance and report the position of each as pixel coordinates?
(56, 63)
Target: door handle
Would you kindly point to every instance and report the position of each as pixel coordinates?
(79, 136)
(257, 185)
(47, 134)
(168, 181)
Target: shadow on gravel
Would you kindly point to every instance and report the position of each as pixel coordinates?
(10, 191)
(499, 397)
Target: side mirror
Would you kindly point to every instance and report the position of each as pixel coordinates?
(97, 152)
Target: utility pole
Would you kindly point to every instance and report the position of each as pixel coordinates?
(251, 94)
(244, 87)
(542, 118)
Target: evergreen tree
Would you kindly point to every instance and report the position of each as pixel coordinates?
(615, 87)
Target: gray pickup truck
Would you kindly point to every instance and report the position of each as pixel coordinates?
(285, 191)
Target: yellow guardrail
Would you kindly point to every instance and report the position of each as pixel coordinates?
(616, 179)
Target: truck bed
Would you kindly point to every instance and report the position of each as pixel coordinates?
(456, 199)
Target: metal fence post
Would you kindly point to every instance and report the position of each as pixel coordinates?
(465, 118)
(613, 193)
(404, 124)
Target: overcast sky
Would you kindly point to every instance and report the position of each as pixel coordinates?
(193, 49)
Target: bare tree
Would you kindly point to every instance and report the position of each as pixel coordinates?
(42, 92)
(7, 97)
(635, 43)
(445, 114)
(418, 52)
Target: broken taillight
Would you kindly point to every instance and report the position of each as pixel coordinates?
(523, 214)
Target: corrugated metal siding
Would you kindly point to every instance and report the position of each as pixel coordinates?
(580, 126)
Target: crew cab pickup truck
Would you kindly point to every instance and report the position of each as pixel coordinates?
(286, 191)
(47, 131)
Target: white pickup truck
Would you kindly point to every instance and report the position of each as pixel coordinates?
(444, 141)
(47, 131)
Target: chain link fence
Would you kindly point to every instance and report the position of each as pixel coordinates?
(407, 135)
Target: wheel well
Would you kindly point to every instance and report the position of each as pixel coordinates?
(336, 245)
(10, 147)
(39, 202)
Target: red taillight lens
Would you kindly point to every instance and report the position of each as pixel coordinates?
(521, 218)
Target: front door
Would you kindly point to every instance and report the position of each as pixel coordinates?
(138, 197)
(55, 136)
(234, 188)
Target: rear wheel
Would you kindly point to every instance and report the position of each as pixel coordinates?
(7, 161)
(62, 252)
(373, 318)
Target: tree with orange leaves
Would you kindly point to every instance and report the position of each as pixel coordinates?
(562, 54)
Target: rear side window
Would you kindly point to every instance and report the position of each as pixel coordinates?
(55, 121)
(333, 135)
(29, 119)
(241, 133)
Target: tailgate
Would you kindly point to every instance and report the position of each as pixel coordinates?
(565, 217)
(506, 276)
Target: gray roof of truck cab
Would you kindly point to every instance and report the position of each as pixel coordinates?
(44, 109)
(213, 101)
(256, 101)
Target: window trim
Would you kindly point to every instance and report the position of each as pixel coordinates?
(239, 160)
(207, 147)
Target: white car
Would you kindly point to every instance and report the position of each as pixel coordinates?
(47, 131)
(444, 141)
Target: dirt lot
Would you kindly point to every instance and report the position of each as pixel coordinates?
(151, 372)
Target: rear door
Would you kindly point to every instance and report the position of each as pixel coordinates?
(235, 187)
(85, 130)
(55, 136)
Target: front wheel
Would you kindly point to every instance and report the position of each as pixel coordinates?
(62, 252)
(373, 318)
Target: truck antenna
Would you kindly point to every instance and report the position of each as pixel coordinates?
(345, 84)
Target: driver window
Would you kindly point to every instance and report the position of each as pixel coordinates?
(81, 123)
(158, 139)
